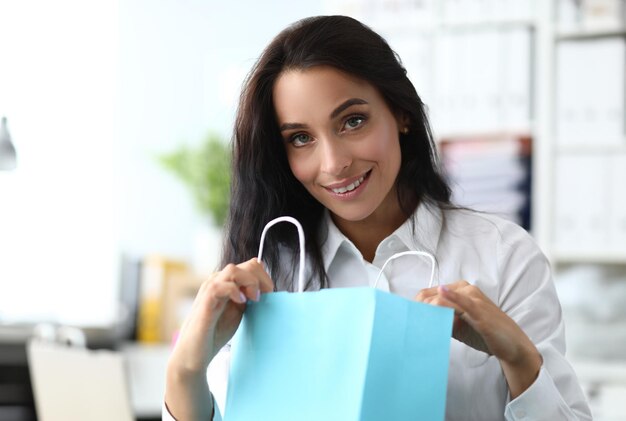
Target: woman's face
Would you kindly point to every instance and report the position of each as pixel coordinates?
(342, 141)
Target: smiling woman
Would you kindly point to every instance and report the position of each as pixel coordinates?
(331, 131)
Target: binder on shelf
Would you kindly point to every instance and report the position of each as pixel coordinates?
(483, 50)
(590, 92)
(483, 80)
(156, 273)
(491, 174)
(445, 84)
(416, 52)
(388, 17)
(178, 297)
(516, 73)
(581, 204)
(617, 204)
(568, 14)
(487, 10)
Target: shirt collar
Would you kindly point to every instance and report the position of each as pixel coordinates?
(428, 224)
(334, 240)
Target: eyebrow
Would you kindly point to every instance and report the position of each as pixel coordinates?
(343, 106)
(347, 104)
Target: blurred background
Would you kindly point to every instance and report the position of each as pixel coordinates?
(113, 144)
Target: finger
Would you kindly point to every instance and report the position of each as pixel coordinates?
(263, 282)
(433, 291)
(222, 286)
(223, 290)
(244, 276)
(463, 303)
(442, 302)
(456, 286)
(256, 267)
(426, 294)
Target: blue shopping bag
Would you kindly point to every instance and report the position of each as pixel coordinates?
(351, 354)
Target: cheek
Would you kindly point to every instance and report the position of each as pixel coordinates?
(385, 149)
(300, 168)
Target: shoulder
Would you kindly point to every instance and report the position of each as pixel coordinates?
(468, 223)
(487, 232)
(501, 257)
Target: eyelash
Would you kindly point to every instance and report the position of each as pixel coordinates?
(292, 139)
(363, 118)
(353, 117)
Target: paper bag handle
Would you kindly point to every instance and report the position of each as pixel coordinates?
(300, 239)
(414, 253)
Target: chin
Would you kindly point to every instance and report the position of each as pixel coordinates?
(354, 215)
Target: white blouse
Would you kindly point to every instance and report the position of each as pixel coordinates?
(502, 260)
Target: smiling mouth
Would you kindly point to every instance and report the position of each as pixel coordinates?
(352, 186)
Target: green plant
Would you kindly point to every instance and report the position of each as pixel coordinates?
(205, 169)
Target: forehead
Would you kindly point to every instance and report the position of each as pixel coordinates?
(318, 90)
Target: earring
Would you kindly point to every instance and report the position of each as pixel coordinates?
(405, 130)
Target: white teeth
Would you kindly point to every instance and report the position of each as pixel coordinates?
(349, 187)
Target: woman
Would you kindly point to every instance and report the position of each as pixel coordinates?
(331, 131)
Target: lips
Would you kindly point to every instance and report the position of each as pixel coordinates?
(346, 187)
(350, 186)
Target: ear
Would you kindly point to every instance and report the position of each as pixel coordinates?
(403, 122)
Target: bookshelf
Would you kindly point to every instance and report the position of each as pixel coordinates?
(591, 138)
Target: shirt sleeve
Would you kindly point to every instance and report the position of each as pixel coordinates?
(542, 401)
(527, 294)
(166, 416)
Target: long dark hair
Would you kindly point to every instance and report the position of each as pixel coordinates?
(263, 186)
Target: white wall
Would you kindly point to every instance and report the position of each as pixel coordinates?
(58, 232)
(93, 90)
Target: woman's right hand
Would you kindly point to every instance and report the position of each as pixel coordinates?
(215, 315)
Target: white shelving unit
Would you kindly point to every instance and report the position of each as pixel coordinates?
(604, 178)
(419, 30)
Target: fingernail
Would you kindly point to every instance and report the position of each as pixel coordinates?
(445, 288)
(242, 297)
(258, 294)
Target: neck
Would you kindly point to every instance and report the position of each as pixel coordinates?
(367, 234)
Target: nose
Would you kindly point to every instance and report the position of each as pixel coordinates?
(335, 156)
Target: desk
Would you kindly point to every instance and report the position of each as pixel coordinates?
(145, 366)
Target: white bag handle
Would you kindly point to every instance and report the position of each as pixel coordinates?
(300, 239)
(414, 253)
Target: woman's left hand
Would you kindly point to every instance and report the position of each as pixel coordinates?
(480, 324)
